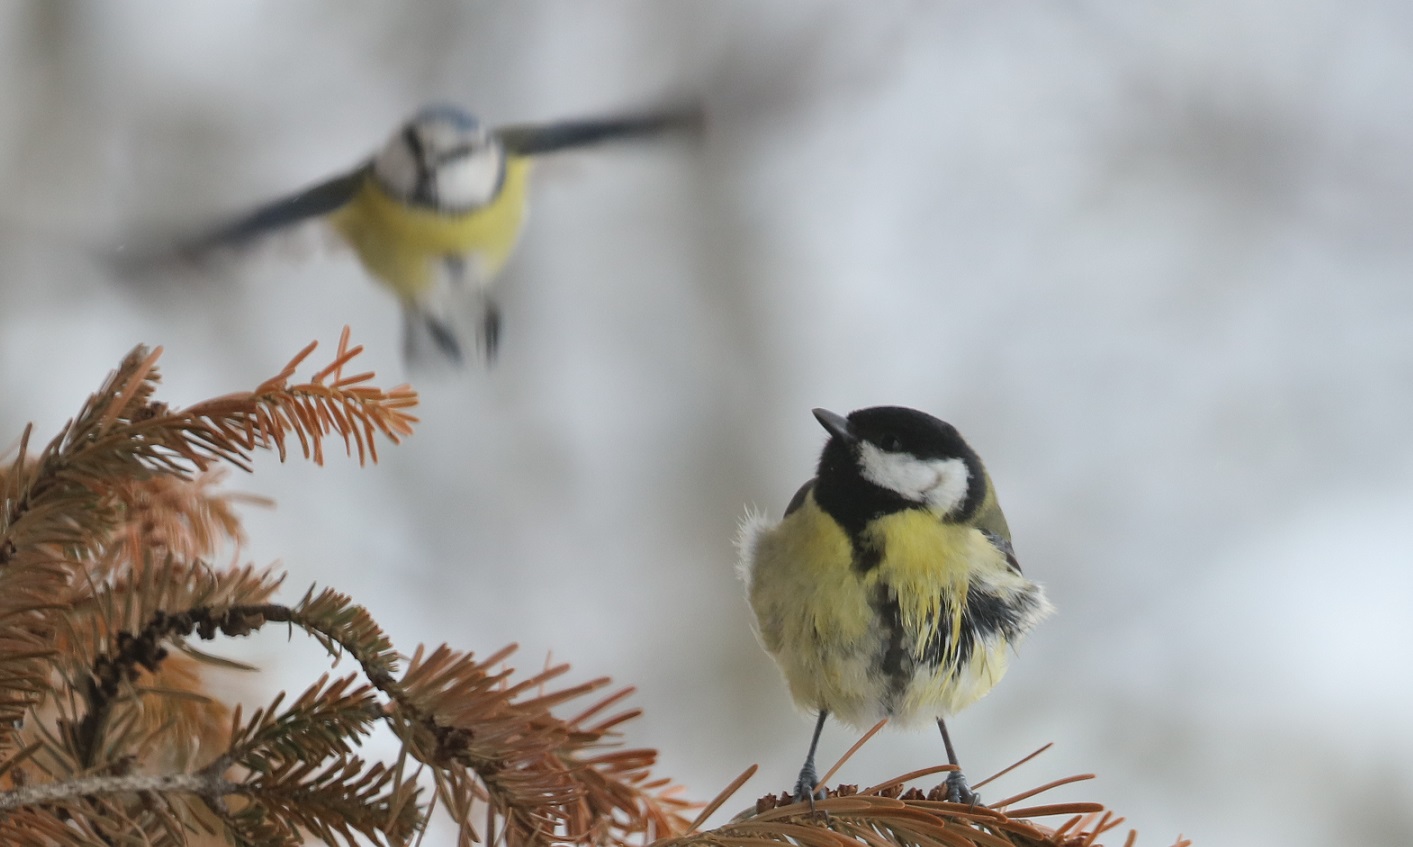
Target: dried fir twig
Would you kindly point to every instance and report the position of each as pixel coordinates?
(102, 537)
(888, 815)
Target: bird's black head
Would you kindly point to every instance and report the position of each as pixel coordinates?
(888, 458)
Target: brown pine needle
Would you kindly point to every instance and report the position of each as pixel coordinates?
(1072, 823)
(289, 369)
(829, 774)
(1090, 829)
(907, 777)
(136, 382)
(1003, 771)
(1046, 787)
(343, 358)
(722, 796)
(1052, 809)
(603, 704)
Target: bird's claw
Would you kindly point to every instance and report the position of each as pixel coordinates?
(805, 785)
(958, 791)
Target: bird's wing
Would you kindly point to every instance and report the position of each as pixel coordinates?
(312, 202)
(799, 499)
(1004, 545)
(536, 139)
(136, 258)
(991, 521)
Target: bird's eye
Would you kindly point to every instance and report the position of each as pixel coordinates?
(890, 443)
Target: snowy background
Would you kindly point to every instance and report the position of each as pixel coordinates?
(1156, 264)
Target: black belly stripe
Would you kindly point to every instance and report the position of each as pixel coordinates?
(868, 554)
(985, 617)
(895, 663)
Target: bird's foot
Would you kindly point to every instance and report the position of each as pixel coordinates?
(490, 332)
(804, 787)
(958, 791)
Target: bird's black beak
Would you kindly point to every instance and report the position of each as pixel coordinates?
(838, 425)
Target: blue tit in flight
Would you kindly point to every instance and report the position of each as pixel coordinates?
(890, 588)
(435, 215)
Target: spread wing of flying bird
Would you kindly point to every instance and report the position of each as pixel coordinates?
(433, 216)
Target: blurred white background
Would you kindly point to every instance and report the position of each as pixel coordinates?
(1156, 263)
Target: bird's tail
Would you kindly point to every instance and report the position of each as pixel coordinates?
(438, 339)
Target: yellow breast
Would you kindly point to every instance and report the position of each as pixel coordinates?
(403, 245)
(824, 619)
(925, 561)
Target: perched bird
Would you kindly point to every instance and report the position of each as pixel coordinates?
(890, 588)
(435, 214)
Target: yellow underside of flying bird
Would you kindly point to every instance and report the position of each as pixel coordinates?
(406, 246)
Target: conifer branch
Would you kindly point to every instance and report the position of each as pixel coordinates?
(546, 778)
(145, 650)
(121, 434)
(90, 787)
(326, 721)
(123, 483)
(890, 816)
(461, 716)
(186, 519)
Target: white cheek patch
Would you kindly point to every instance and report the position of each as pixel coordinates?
(940, 483)
(470, 180)
(465, 168)
(396, 168)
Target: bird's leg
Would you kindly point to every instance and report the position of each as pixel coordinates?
(804, 786)
(490, 330)
(445, 338)
(958, 791)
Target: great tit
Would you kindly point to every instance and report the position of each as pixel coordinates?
(435, 214)
(890, 587)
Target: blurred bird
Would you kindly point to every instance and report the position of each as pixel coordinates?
(435, 215)
(890, 588)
